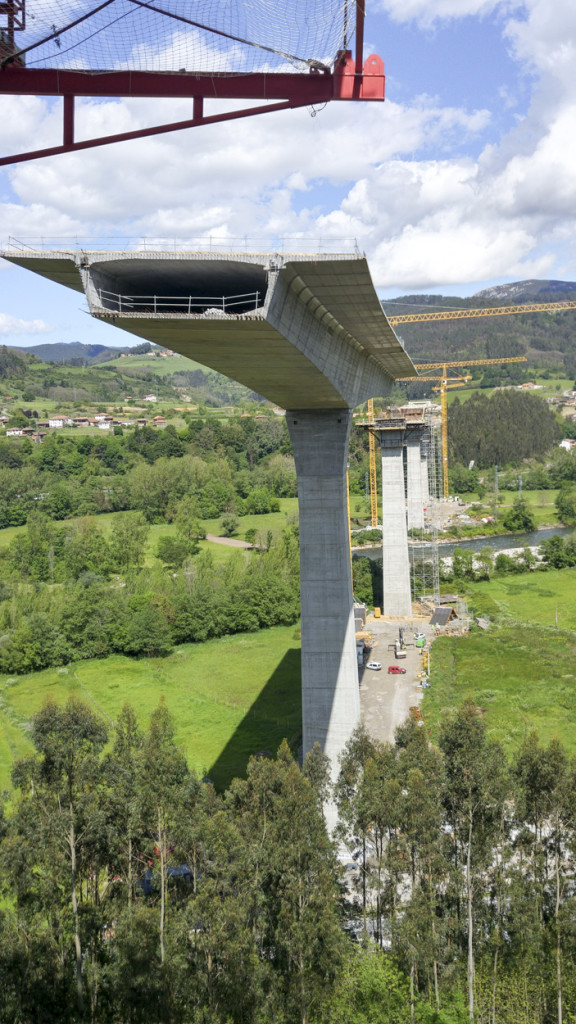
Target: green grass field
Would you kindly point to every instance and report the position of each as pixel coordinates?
(160, 367)
(521, 672)
(523, 678)
(271, 521)
(546, 389)
(230, 698)
(537, 598)
(540, 503)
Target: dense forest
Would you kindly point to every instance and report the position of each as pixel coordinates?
(506, 427)
(220, 463)
(546, 339)
(133, 893)
(73, 590)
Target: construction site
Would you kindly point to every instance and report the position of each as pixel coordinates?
(306, 331)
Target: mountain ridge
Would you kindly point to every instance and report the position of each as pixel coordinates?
(77, 353)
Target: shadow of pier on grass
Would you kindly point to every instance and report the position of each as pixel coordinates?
(276, 714)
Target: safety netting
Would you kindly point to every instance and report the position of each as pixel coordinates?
(215, 36)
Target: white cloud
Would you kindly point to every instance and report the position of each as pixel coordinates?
(427, 12)
(398, 182)
(193, 178)
(546, 36)
(15, 325)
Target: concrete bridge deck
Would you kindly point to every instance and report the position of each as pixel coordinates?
(310, 335)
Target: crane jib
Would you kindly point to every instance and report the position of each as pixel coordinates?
(463, 314)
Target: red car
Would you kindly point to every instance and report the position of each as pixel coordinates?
(395, 670)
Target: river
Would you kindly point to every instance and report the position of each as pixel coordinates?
(501, 542)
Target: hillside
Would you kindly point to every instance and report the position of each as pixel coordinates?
(76, 353)
(546, 339)
(121, 376)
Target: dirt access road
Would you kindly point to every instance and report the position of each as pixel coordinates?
(385, 699)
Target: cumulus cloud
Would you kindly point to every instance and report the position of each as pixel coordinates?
(396, 177)
(15, 325)
(427, 12)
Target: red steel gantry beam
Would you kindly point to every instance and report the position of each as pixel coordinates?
(352, 79)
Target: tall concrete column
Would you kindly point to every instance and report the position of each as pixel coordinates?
(330, 697)
(424, 471)
(395, 560)
(415, 502)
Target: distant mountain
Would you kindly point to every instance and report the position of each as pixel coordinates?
(75, 353)
(547, 340)
(523, 290)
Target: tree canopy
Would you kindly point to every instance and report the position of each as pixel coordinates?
(506, 427)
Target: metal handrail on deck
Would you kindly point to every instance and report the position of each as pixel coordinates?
(178, 303)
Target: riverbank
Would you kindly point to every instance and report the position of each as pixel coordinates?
(501, 542)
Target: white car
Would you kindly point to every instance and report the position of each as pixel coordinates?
(419, 636)
(374, 665)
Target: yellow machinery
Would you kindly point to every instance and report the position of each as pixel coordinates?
(463, 314)
(447, 382)
(372, 464)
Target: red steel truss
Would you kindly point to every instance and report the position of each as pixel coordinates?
(352, 79)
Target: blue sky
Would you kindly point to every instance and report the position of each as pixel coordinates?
(463, 179)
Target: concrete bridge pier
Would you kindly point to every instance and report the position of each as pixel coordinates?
(414, 480)
(308, 332)
(395, 561)
(330, 697)
(424, 453)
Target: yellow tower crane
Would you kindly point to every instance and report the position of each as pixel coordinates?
(464, 314)
(445, 381)
(372, 466)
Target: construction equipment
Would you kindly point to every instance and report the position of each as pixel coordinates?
(464, 314)
(372, 465)
(51, 49)
(447, 382)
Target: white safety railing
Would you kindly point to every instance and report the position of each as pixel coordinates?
(283, 245)
(245, 302)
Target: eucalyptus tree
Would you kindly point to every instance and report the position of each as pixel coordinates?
(354, 815)
(57, 830)
(423, 931)
(165, 783)
(547, 802)
(475, 788)
(294, 883)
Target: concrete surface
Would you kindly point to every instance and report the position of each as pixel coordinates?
(395, 560)
(313, 340)
(319, 339)
(330, 700)
(385, 699)
(414, 477)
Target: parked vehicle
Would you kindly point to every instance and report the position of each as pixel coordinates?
(396, 670)
(374, 665)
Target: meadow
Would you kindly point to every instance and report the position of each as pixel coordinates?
(540, 598)
(546, 389)
(273, 522)
(230, 698)
(521, 671)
